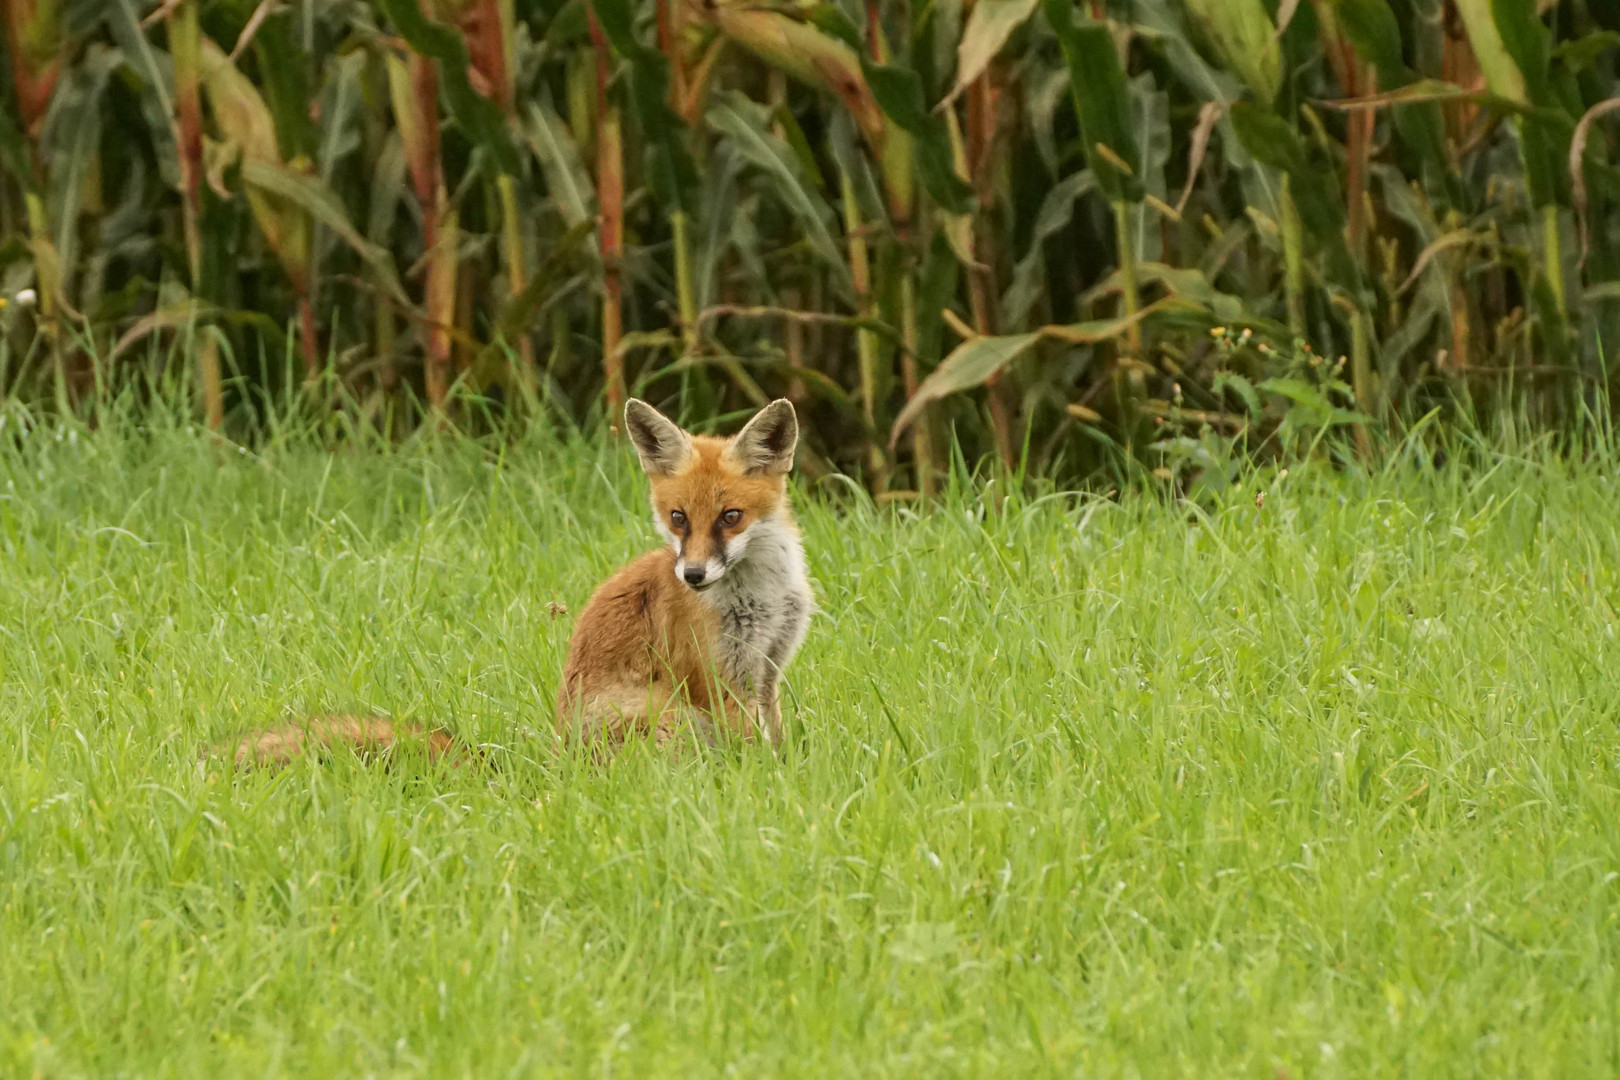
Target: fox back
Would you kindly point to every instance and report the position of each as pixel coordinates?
(698, 634)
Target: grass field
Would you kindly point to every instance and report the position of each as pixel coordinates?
(1328, 787)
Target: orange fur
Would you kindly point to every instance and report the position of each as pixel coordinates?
(366, 734)
(642, 648)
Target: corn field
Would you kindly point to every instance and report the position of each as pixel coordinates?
(1052, 234)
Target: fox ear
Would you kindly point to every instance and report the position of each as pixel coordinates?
(662, 446)
(765, 445)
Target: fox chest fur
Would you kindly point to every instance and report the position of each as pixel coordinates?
(762, 609)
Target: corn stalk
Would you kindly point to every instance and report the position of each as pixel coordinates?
(610, 200)
(413, 87)
(185, 48)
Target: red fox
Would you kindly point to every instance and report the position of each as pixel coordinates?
(694, 635)
(701, 631)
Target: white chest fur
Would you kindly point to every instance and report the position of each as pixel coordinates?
(764, 603)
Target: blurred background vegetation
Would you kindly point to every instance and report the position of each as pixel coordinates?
(1065, 236)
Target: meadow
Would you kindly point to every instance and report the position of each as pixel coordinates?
(1320, 783)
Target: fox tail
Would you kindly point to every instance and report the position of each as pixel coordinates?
(366, 735)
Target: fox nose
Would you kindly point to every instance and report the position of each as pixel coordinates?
(694, 575)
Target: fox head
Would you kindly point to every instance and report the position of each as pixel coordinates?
(711, 497)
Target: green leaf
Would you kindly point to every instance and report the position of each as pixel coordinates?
(1191, 284)
(1375, 35)
(317, 200)
(519, 312)
(937, 285)
(1242, 387)
(842, 139)
(1057, 210)
(284, 79)
(14, 152)
(387, 187)
(1526, 39)
(1298, 391)
(1585, 51)
(1150, 124)
(1246, 38)
(720, 211)
(173, 316)
(1430, 303)
(1163, 24)
(973, 362)
(1514, 51)
(970, 365)
(1101, 99)
(72, 138)
(1425, 91)
(835, 22)
(1501, 71)
(340, 110)
(566, 179)
(1272, 141)
(741, 121)
(899, 94)
(155, 72)
(989, 25)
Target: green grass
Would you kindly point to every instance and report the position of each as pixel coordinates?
(1324, 788)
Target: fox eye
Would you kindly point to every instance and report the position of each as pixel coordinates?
(677, 518)
(731, 517)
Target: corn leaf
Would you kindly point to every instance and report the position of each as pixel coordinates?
(519, 312)
(14, 152)
(1101, 99)
(989, 25)
(387, 187)
(285, 83)
(1246, 38)
(1057, 210)
(1272, 141)
(1514, 52)
(314, 198)
(566, 179)
(976, 360)
(970, 365)
(741, 121)
(818, 57)
(155, 72)
(720, 207)
(899, 93)
(72, 137)
(241, 113)
(1372, 30)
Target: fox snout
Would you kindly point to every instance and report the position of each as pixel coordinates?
(699, 573)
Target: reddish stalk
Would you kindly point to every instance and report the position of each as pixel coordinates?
(981, 135)
(308, 336)
(420, 129)
(610, 202)
(184, 47)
